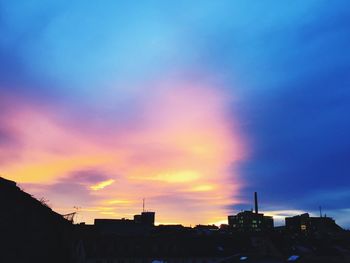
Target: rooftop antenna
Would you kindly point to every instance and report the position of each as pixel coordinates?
(256, 202)
(143, 205)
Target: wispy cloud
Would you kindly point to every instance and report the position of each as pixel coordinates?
(102, 185)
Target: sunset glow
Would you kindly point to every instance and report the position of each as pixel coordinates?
(170, 156)
(190, 105)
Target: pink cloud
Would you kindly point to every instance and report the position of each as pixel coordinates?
(176, 151)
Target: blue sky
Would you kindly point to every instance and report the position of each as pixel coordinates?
(281, 67)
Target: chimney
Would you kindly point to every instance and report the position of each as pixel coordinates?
(256, 202)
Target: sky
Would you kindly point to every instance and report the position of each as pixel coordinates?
(192, 105)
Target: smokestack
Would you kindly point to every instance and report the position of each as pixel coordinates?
(256, 202)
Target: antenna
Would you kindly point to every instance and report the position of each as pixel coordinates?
(143, 205)
(320, 211)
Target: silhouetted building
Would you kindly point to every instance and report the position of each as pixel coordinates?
(146, 218)
(305, 224)
(249, 221)
(172, 229)
(141, 224)
(206, 229)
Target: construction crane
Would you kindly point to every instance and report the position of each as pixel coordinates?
(70, 217)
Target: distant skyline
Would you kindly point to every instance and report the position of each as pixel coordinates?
(193, 105)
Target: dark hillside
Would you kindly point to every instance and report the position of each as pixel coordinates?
(30, 230)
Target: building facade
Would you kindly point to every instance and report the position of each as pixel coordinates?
(249, 221)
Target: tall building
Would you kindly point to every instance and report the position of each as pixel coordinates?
(251, 221)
